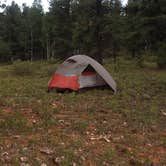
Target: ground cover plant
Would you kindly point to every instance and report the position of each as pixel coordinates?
(89, 128)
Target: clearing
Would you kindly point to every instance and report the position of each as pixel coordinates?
(90, 128)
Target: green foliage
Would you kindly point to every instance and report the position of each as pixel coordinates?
(79, 126)
(22, 30)
(15, 122)
(164, 142)
(48, 118)
(98, 28)
(60, 31)
(24, 68)
(12, 22)
(109, 154)
(4, 51)
(68, 155)
(145, 26)
(161, 57)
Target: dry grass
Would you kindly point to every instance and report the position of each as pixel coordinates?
(90, 128)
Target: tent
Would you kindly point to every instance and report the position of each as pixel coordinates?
(81, 71)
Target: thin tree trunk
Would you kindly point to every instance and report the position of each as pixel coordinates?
(114, 55)
(53, 49)
(31, 58)
(99, 57)
(133, 53)
(48, 49)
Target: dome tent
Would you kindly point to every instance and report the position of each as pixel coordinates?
(81, 71)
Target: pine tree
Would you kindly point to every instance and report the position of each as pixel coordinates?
(133, 38)
(61, 31)
(36, 24)
(12, 23)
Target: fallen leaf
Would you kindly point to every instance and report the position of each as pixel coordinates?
(163, 112)
(43, 164)
(23, 159)
(24, 164)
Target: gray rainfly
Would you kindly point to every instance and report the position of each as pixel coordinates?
(81, 71)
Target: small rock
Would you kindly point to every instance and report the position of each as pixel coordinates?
(104, 122)
(83, 158)
(87, 132)
(57, 160)
(25, 164)
(34, 121)
(80, 150)
(5, 153)
(25, 149)
(16, 136)
(105, 164)
(146, 96)
(125, 124)
(23, 159)
(150, 145)
(62, 143)
(39, 101)
(61, 121)
(163, 112)
(93, 138)
(73, 164)
(43, 164)
(9, 145)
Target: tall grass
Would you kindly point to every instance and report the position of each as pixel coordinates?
(24, 68)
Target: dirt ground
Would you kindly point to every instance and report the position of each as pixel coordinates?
(89, 128)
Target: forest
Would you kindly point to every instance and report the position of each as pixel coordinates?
(98, 28)
(88, 126)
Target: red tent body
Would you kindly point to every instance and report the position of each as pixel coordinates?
(64, 82)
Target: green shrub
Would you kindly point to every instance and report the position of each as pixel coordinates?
(140, 61)
(24, 68)
(52, 61)
(51, 71)
(4, 52)
(161, 59)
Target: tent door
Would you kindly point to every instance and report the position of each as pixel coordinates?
(90, 78)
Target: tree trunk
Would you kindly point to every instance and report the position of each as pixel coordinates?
(48, 49)
(114, 55)
(31, 58)
(133, 53)
(53, 49)
(99, 57)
